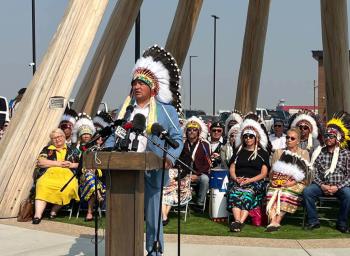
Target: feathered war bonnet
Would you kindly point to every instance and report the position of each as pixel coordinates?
(339, 126)
(195, 122)
(83, 125)
(251, 125)
(158, 69)
(306, 118)
(101, 120)
(291, 164)
(234, 116)
(69, 115)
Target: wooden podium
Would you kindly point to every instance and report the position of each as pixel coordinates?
(125, 197)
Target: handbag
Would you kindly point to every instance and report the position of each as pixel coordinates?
(26, 210)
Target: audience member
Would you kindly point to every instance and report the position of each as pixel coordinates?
(332, 172)
(170, 192)
(67, 122)
(3, 127)
(227, 149)
(216, 133)
(287, 180)
(196, 153)
(249, 166)
(306, 122)
(14, 103)
(58, 163)
(278, 138)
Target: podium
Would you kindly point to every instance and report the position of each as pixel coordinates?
(125, 197)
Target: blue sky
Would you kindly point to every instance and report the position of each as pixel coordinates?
(288, 71)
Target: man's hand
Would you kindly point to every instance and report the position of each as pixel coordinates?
(168, 164)
(332, 190)
(194, 178)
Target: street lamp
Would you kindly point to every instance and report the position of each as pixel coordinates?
(191, 56)
(215, 18)
(315, 86)
(33, 64)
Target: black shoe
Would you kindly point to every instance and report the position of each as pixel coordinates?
(166, 222)
(272, 228)
(342, 229)
(313, 226)
(36, 221)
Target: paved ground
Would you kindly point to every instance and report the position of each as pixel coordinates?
(53, 238)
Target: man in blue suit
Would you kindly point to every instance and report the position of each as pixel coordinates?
(155, 94)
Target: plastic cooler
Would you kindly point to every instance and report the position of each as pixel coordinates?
(218, 186)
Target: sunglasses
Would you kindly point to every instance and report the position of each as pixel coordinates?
(303, 127)
(290, 138)
(329, 136)
(250, 136)
(216, 130)
(192, 129)
(65, 126)
(277, 125)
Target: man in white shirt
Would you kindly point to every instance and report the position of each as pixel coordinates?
(278, 138)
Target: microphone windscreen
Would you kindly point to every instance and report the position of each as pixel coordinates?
(139, 122)
(156, 129)
(130, 108)
(127, 126)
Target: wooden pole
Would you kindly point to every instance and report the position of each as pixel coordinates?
(252, 55)
(105, 60)
(30, 127)
(336, 55)
(182, 29)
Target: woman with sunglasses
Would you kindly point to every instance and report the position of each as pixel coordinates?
(287, 180)
(249, 166)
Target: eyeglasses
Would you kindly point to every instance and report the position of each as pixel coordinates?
(65, 126)
(303, 127)
(250, 136)
(329, 136)
(290, 138)
(192, 129)
(277, 125)
(216, 130)
(57, 137)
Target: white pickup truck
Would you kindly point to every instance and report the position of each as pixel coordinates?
(266, 118)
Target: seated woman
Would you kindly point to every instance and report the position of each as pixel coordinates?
(287, 180)
(83, 131)
(249, 166)
(58, 163)
(170, 192)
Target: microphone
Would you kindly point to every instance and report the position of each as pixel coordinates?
(139, 125)
(123, 145)
(159, 131)
(128, 112)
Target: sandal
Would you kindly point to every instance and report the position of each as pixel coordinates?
(235, 226)
(52, 216)
(88, 218)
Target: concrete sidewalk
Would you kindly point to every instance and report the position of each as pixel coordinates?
(21, 239)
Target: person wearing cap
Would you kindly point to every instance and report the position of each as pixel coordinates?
(331, 164)
(14, 103)
(216, 137)
(249, 166)
(155, 94)
(196, 153)
(228, 148)
(278, 138)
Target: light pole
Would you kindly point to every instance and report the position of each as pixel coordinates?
(315, 86)
(191, 56)
(33, 64)
(215, 18)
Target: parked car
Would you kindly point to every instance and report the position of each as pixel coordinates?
(4, 108)
(189, 113)
(265, 117)
(224, 115)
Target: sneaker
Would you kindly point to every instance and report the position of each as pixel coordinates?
(313, 226)
(344, 230)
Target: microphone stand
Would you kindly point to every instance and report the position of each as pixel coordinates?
(178, 162)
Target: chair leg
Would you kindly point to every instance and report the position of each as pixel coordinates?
(186, 209)
(78, 211)
(304, 217)
(71, 210)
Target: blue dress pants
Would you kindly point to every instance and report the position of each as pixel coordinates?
(314, 191)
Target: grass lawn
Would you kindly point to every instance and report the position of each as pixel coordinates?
(200, 224)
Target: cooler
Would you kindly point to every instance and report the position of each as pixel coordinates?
(218, 186)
